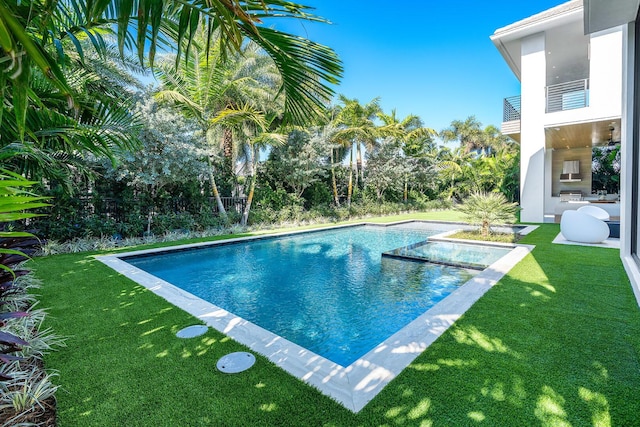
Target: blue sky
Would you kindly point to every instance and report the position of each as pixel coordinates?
(424, 57)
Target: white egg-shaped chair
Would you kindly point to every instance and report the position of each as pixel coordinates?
(595, 211)
(580, 227)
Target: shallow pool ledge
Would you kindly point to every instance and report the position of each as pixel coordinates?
(352, 386)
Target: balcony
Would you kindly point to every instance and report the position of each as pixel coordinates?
(567, 96)
(511, 117)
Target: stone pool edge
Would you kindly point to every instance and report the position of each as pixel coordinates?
(352, 386)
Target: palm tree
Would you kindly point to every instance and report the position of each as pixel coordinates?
(101, 122)
(327, 133)
(496, 142)
(40, 40)
(356, 127)
(452, 164)
(256, 131)
(194, 86)
(246, 78)
(409, 132)
(209, 86)
(468, 132)
(486, 209)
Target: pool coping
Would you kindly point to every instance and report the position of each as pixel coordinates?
(357, 384)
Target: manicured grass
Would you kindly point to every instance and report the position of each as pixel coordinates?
(555, 343)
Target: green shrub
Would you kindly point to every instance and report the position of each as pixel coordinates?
(487, 209)
(162, 223)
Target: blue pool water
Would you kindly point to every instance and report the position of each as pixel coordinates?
(331, 292)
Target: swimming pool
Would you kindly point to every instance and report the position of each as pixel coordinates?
(354, 385)
(330, 292)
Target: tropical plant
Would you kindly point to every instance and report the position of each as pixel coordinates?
(220, 93)
(487, 209)
(171, 151)
(325, 135)
(356, 127)
(26, 396)
(57, 137)
(498, 171)
(451, 166)
(468, 133)
(386, 168)
(256, 131)
(412, 136)
(605, 169)
(300, 162)
(25, 389)
(40, 40)
(14, 248)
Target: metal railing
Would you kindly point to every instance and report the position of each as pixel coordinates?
(511, 109)
(567, 96)
(236, 204)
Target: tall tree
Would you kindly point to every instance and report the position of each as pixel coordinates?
(247, 78)
(194, 86)
(301, 162)
(386, 168)
(257, 131)
(356, 127)
(169, 153)
(468, 133)
(451, 165)
(211, 85)
(411, 136)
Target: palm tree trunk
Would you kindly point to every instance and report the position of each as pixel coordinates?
(356, 164)
(227, 143)
(350, 187)
(453, 178)
(247, 207)
(214, 190)
(359, 169)
(359, 165)
(227, 151)
(406, 190)
(334, 185)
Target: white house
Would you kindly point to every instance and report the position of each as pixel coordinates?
(570, 102)
(623, 15)
(600, 41)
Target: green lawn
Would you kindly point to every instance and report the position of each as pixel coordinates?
(555, 343)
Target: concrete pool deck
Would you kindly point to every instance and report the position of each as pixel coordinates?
(352, 386)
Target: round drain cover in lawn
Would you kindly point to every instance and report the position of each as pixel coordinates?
(233, 363)
(192, 331)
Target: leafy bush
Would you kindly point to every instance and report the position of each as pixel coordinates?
(317, 194)
(165, 222)
(24, 387)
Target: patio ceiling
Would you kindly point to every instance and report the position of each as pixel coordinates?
(582, 134)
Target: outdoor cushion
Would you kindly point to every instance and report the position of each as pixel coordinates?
(578, 226)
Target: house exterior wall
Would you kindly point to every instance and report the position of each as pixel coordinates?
(605, 82)
(532, 142)
(537, 180)
(605, 69)
(629, 184)
(600, 16)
